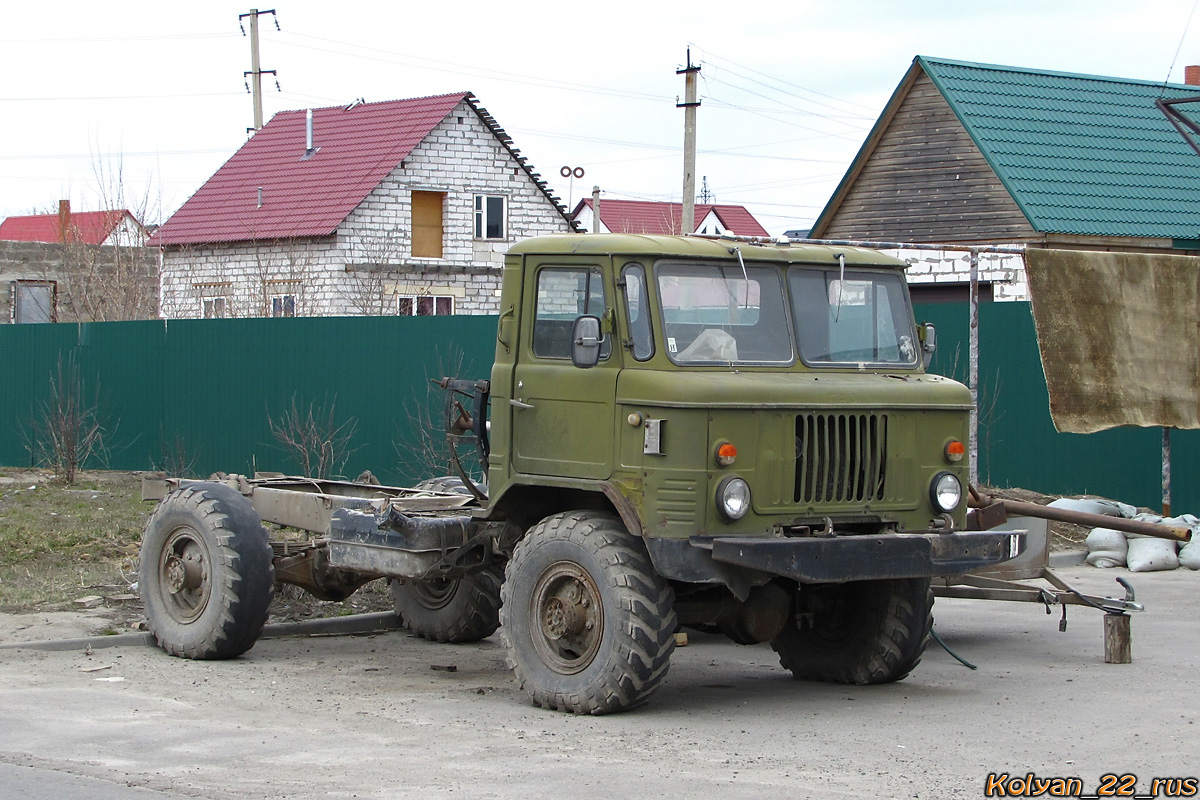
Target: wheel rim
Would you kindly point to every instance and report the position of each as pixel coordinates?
(839, 620)
(184, 575)
(433, 594)
(567, 618)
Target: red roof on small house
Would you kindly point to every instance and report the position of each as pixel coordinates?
(355, 147)
(88, 227)
(644, 216)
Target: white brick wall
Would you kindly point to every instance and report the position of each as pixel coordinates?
(461, 158)
(1004, 271)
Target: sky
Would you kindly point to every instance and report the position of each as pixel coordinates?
(140, 102)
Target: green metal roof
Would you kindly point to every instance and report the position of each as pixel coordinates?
(1080, 154)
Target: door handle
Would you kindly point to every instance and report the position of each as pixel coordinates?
(518, 403)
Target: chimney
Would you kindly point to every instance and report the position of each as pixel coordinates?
(1191, 75)
(308, 136)
(64, 220)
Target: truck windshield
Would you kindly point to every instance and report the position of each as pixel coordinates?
(723, 314)
(858, 317)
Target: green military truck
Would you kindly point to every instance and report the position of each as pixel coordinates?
(677, 432)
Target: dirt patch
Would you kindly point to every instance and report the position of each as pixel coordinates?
(69, 559)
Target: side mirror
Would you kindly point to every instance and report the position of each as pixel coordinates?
(586, 339)
(928, 343)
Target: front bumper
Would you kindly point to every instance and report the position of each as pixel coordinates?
(838, 559)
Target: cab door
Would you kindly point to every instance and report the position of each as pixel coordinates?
(562, 415)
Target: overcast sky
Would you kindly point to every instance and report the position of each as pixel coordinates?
(789, 90)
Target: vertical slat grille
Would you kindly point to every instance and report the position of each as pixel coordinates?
(840, 458)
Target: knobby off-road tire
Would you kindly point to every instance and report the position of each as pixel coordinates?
(206, 573)
(588, 624)
(861, 632)
(457, 610)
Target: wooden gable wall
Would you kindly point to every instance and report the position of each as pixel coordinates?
(926, 181)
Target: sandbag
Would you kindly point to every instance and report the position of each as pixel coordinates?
(1189, 555)
(1095, 505)
(1106, 548)
(1147, 554)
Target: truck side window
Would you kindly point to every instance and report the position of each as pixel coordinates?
(563, 295)
(638, 309)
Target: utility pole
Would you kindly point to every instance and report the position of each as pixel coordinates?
(689, 106)
(256, 72)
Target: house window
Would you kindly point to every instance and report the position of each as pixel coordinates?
(34, 301)
(491, 217)
(213, 308)
(283, 305)
(427, 224)
(425, 305)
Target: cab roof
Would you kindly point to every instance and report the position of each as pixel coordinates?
(697, 247)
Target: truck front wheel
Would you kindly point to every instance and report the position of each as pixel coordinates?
(588, 624)
(206, 574)
(452, 610)
(859, 632)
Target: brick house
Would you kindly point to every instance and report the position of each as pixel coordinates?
(88, 266)
(644, 216)
(399, 207)
(983, 154)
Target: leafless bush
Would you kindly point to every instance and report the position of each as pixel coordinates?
(67, 427)
(175, 458)
(314, 437)
(422, 448)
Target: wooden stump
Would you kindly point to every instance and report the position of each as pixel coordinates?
(1117, 640)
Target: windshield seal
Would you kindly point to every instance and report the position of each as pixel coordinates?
(723, 314)
(855, 317)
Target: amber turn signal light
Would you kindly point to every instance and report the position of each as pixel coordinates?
(726, 454)
(955, 451)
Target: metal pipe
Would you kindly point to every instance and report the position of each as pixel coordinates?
(1018, 508)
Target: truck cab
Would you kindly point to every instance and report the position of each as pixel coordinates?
(735, 390)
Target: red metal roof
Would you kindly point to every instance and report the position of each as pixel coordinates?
(356, 148)
(88, 227)
(644, 216)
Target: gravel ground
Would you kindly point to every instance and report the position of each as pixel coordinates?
(383, 716)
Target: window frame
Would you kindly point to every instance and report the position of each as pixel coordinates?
(422, 212)
(595, 278)
(415, 300)
(214, 301)
(484, 215)
(15, 298)
(283, 309)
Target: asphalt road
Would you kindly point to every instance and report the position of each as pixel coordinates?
(370, 717)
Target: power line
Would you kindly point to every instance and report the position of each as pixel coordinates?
(788, 83)
(388, 56)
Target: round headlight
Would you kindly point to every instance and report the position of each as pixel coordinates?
(945, 492)
(733, 498)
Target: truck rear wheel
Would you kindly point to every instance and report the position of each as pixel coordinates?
(456, 610)
(206, 574)
(588, 624)
(859, 632)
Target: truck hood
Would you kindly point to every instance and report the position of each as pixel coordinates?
(746, 389)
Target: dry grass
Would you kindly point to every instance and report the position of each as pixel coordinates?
(59, 542)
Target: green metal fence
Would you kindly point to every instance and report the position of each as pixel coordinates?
(200, 392)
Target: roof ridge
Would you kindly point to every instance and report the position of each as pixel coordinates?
(1052, 73)
(343, 106)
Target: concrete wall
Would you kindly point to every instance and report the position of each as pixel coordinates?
(368, 263)
(94, 282)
